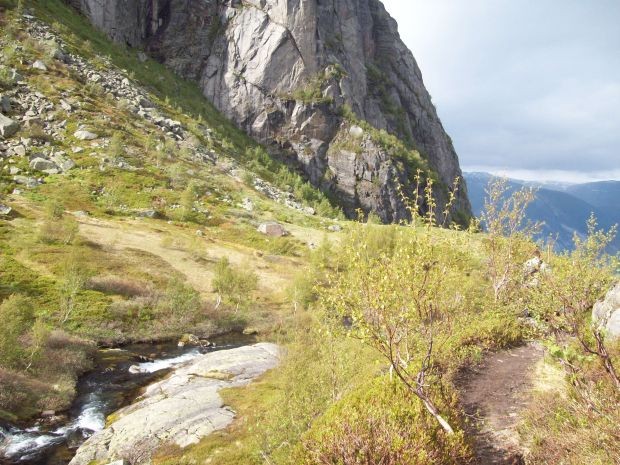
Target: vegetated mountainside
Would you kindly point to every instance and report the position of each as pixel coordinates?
(562, 211)
(302, 77)
(119, 209)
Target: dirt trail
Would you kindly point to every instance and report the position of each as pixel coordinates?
(493, 396)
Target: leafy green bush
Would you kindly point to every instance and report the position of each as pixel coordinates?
(379, 423)
(233, 284)
(179, 299)
(57, 227)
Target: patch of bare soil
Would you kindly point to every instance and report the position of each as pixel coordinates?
(493, 395)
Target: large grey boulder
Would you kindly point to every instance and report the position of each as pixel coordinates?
(8, 127)
(606, 313)
(272, 229)
(284, 70)
(181, 409)
(41, 164)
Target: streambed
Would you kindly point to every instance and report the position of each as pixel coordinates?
(101, 392)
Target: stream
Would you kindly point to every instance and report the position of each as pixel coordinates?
(110, 386)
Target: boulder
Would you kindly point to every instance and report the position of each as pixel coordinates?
(5, 210)
(65, 105)
(82, 134)
(147, 214)
(39, 65)
(8, 127)
(63, 162)
(135, 369)
(19, 151)
(272, 229)
(356, 132)
(41, 164)
(26, 181)
(5, 104)
(606, 313)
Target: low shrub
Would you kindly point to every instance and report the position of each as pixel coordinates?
(380, 424)
(118, 286)
(233, 284)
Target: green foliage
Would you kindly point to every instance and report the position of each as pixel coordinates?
(234, 284)
(509, 237)
(398, 300)
(17, 316)
(379, 423)
(73, 277)
(575, 421)
(57, 227)
(189, 196)
(312, 90)
(411, 158)
(117, 145)
(180, 300)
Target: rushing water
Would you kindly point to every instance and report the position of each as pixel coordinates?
(110, 386)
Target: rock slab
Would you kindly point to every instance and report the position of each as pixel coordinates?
(606, 313)
(8, 127)
(181, 409)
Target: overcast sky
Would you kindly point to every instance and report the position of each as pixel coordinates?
(529, 88)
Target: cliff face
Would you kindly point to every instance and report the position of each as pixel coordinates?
(283, 70)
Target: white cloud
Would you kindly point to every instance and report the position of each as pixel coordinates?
(531, 85)
(574, 177)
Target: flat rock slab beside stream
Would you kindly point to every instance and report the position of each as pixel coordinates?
(181, 409)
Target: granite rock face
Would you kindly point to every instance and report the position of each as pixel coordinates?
(606, 313)
(283, 70)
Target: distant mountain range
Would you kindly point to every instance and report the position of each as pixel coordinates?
(564, 208)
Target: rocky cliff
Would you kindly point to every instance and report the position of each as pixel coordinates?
(289, 72)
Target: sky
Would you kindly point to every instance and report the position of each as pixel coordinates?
(527, 89)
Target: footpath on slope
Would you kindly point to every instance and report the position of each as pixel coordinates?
(493, 395)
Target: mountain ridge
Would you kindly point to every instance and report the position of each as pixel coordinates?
(297, 76)
(564, 209)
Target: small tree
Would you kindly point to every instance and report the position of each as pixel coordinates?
(117, 145)
(233, 284)
(509, 235)
(57, 227)
(394, 300)
(187, 200)
(72, 280)
(39, 335)
(17, 316)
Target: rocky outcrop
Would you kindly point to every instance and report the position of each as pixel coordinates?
(288, 72)
(180, 409)
(606, 313)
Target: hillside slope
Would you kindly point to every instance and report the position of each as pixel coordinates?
(297, 76)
